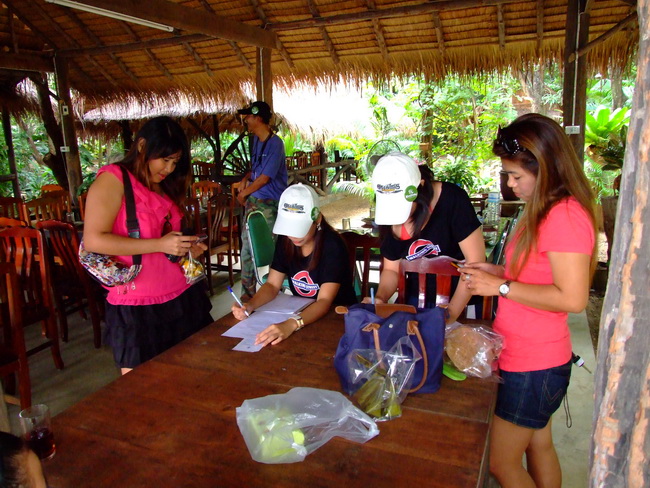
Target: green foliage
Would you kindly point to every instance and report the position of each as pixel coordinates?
(462, 172)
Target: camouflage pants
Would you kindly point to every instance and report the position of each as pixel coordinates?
(270, 210)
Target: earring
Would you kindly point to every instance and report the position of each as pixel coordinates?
(318, 227)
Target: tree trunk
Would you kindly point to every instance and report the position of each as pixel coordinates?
(620, 444)
(618, 97)
(54, 161)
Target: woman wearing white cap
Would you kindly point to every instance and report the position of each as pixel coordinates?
(314, 257)
(420, 218)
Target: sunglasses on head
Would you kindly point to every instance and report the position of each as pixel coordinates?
(511, 145)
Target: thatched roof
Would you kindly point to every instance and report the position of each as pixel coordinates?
(314, 41)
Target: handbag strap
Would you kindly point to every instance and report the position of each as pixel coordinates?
(132, 225)
(411, 329)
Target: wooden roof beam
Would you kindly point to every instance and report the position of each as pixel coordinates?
(426, 8)
(379, 32)
(199, 60)
(148, 51)
(502, 27)
(37, 32)
(233, 44)
(540, 25)
(265, 22)
(326, 37)
(439, 35)
(98, 42)
(137, 45)
(240, 54)
(26, 62)
(74, 43)
(12, 30)
(604, 36)
(189, 19)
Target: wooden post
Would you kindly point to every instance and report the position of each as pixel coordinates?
(127, 135)
(73, 164)
(574, 95)
(11, 155)
(263, 76)
(620, 451)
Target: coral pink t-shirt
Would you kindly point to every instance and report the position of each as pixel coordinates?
(160, 280)
(538, 339)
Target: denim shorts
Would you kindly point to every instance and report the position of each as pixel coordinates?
(529, 399)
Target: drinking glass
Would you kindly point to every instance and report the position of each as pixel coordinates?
(36, 426)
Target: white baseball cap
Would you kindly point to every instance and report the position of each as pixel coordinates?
(395, 180)
(298, 209)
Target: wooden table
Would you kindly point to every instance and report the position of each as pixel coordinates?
(171, 423)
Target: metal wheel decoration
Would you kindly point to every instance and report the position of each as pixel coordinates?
(237, 158)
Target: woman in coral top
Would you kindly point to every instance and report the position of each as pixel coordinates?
(158, 309)
(549, 263)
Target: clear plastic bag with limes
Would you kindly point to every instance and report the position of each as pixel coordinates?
(382, 379)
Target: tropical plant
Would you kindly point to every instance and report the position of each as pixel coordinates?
(605, 138)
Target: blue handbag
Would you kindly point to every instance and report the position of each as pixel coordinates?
(380, 327)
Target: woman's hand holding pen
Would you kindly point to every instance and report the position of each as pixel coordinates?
(482, 279)
(241, 312)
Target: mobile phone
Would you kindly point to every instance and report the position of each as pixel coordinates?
(200, 238)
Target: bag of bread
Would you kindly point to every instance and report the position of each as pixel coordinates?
(473, 350)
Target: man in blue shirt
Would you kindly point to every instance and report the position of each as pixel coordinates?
(261, 188)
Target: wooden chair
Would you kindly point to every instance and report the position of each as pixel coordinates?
(63, 195)
(202, 171)
(204, 190)
(73, 288)
(51, 187)
(13, 208)
(219, 240)
(82, 205)
(48, 207)
(7, 222)
(442, 268)
(13, 356)
(26, 248)
(360, 244)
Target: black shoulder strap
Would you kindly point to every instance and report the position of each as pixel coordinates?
(132, 225)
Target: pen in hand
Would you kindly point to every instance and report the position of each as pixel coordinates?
(238, 301)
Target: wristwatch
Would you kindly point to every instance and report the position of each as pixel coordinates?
(504, 289)
(299, 321)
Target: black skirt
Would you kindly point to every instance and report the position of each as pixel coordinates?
(138, 333)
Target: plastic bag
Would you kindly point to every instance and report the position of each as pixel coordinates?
(381, 380)
(285, 428)
(473, 350)
(192, 269)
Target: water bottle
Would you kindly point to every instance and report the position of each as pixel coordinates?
(492, 210)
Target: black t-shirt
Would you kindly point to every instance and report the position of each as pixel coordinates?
(452, 221)
(333, 267)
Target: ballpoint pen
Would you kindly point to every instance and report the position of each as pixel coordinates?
(372, 295)
(238, 301)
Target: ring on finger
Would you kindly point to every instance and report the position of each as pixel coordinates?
(467, 277)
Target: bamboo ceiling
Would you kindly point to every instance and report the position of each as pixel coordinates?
(315, 41)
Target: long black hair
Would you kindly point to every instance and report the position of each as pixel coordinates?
(292, 252)
(422, 204)
(162, 137)
(13, 461)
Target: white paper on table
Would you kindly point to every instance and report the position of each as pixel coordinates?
(284, 303)
(247, 345)
(256, 323)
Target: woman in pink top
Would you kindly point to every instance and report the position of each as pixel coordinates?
(549, 263)
(158, 309)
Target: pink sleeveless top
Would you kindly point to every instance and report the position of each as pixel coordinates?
(160, 280)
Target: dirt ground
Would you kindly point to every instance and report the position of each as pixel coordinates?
(357, 208)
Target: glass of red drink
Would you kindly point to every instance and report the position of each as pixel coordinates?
(36, 426)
